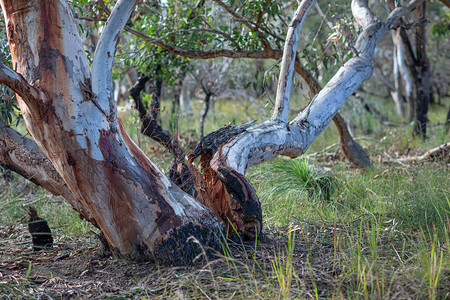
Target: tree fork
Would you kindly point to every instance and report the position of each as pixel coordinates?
(70, 112)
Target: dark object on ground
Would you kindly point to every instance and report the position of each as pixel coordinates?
(39, 230)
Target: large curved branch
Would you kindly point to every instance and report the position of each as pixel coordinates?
(346, 141)
(351, 148)
(271, 138)
(18, 84)
(104, 56)
(281, 110)
(22, 155)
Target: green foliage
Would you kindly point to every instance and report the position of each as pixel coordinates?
(442, 27)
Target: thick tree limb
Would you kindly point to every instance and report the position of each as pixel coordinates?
(141, 213)
(352, 149)
(18, 84)
(362, 13)
(446, 3)
(269, 139)
(273, 53)
(22, 155)
(227, 193)
(104, 56)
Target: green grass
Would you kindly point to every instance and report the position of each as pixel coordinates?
(387, 226)
(19, 193)
(378, 234)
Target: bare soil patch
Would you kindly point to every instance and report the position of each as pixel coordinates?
(75, 269)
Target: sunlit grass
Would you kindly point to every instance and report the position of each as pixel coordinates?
(350, 234)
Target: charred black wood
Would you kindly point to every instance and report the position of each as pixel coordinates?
(234, 199)
(205, 110)
(213, 140)
(41, 234)
(182, 177)
(150, 117)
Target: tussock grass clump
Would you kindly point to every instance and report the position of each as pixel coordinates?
(296, 176)
(377, 234)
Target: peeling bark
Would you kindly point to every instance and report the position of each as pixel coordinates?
(226, 192)
(354, 152)
(141, 213)
(21, 155)
(257, 54)
(264, 141)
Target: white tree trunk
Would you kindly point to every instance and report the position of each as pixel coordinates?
(277, 137)
(185, 98)
(397, 91)
(71, 114)
(141, 213)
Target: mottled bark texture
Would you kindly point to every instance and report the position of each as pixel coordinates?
(21, 155)
(71, 114)
(354, 152)
(275, 137)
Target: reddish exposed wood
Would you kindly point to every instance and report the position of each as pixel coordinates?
(446, 3)
(225, 191)
(140, 212)
(229, 195)
(23, 156)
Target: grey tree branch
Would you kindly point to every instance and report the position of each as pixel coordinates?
(104, 57)
(22, 155)
(281, 110)
(18, 84)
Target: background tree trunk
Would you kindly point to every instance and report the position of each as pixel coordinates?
(423, 77)
(185, 99)
(397, 92)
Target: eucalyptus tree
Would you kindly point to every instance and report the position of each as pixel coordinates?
(235, 29)
(69, 109)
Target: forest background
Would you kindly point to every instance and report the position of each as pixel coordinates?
(330, 229)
